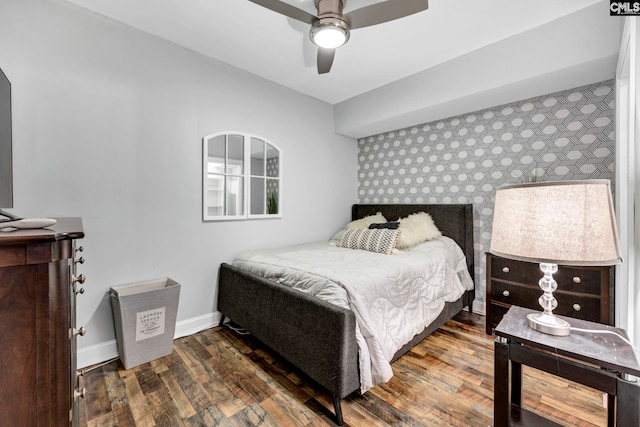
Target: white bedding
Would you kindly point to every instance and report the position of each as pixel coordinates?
(394, 297)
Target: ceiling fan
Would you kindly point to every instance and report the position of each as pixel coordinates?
(330, 28)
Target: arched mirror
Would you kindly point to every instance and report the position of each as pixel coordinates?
(241, 177)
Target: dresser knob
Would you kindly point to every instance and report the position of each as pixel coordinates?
(80, 249)
(577, 307)
(78, 291)
(577, 279)
(79, 260)
(505, 269)
(79, 393)
(80, 279)
(80, 331)
(505, 293)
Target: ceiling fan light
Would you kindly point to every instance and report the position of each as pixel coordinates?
(329, 37)
(329, 34)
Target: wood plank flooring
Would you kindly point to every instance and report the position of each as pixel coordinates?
(220, 378)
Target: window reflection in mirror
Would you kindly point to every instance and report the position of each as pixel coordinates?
(273, 180)
(224, 189)
(228, 170)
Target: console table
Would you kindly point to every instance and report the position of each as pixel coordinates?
(598, 360)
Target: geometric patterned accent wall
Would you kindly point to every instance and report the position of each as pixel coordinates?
(566, 135)
(273, 170)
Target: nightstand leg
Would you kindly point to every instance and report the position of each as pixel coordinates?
(501, 407)
(516, 384)
(628, 407)
(611, 410)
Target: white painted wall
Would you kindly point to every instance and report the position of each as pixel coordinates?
(108, 124)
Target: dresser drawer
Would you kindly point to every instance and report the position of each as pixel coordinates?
(569, 304)
(580, 307)
(511, 294)
(571, 279)
(583, 292)
(515, 271)
(583, 280)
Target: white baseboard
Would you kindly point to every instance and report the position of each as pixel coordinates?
(98, 353)
(479, 307)
(102, 352)
(197, 324)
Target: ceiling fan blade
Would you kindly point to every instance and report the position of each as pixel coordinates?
(287, 10)
(325, 59)
(384, 11)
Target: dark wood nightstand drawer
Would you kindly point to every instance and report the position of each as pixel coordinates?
(583, 292)
(569, 304)
(511, 294)
(515, 271)
(580, 307)
(584, 280)
(572, 279)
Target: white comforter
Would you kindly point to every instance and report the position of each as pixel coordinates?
(392, 296)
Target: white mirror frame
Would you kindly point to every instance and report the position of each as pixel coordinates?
(246, 199)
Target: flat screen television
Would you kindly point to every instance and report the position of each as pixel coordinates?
(6, 158)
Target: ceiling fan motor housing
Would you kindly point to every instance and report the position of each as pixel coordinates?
(329, 7)
(330, 11)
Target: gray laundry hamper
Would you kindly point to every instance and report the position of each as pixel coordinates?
(144, 315)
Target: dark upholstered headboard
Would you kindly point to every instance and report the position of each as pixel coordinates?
(455, 221)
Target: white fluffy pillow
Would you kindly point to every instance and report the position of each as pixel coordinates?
(338, 235)
(415, 229)
(367, 221)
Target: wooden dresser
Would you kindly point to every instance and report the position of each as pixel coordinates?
(583, 292)
(38, 288)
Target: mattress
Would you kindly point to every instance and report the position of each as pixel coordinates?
(394, 297)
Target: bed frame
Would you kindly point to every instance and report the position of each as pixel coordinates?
(318, 337)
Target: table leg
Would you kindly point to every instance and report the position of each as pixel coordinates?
(516, 384)
(611, 410)
(501, 406)
(628, 407)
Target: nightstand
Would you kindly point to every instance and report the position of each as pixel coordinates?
(583, 292)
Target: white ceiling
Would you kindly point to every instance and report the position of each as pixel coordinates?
(277, 48)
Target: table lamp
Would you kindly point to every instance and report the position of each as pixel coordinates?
(551, 223)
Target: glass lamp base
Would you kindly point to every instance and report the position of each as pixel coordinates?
(549, 324)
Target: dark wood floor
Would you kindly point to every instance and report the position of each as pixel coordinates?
(219, 378)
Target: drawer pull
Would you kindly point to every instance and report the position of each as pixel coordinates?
(577, 279)
(79, 260)
(78, 291)
(505, 269)
(79, 393)
(80, 279)
(80, 332)
(577, 307)
(505, 293)
(80, 249)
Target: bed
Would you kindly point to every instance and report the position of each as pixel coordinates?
(323, 339)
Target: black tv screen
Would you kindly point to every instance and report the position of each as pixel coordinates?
(6, 172)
